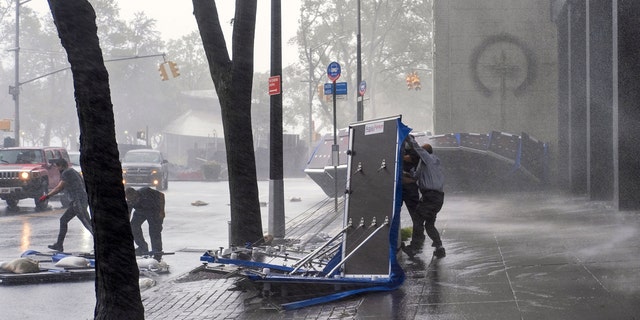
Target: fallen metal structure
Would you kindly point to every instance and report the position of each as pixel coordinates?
(361, 256)
(471, 161)
(490, 161)
(321, 168)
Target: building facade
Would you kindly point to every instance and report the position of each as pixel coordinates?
(563, 71)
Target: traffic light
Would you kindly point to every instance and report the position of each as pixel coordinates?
(416, 81)
(141, 135)
(175, 72)
(409, 81)
(413, 81)
(163, 73)
(5, 125)
(321, 92)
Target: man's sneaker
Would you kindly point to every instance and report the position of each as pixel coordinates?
(439, 252)
(411, 250)
(56, 247)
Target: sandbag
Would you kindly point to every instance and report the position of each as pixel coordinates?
(146, 283)
(152, 265)
(73, 262)
(21, 265)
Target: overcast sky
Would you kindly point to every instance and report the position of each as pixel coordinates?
(175, 18)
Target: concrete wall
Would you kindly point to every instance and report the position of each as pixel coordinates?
(496, 68)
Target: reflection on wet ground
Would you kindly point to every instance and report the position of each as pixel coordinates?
(518, 256)
(529, 256)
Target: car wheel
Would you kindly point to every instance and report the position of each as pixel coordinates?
(166, 183)
(12, 204)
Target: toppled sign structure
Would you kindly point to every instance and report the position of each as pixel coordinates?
(362, 256)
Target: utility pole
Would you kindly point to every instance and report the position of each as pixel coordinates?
(276, 184)
(360, 98)
(15, 90)
(310, 138)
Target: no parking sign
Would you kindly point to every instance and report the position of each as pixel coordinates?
(362, 88)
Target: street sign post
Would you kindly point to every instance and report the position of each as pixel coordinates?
(341, 88)
(333, 71)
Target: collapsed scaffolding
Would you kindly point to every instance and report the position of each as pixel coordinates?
(360, 255)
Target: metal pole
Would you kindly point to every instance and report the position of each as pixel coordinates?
(311, 83)
(360, 107)
(276, 183)
(343, 261)
(335, 154)
(310, 108)
(16, 89)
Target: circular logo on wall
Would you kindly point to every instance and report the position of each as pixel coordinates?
(502, 63)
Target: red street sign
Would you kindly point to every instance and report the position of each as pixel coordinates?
(274, 85)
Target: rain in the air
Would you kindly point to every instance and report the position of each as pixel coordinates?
(304, 159)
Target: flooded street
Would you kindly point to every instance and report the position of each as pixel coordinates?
(518, 256)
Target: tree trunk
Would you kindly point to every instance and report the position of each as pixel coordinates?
(233, 80)
(117, 273)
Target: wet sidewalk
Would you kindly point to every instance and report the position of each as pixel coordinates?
(520, 256)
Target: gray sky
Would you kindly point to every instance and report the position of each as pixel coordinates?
(175, 19)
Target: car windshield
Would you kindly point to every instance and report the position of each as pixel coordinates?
(142, 157)
(20, 156)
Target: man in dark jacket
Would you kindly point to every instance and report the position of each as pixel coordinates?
(146, 204)
(410, 191)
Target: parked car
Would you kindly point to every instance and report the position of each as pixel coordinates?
(145, 167)
(74, 161)
(28, 172)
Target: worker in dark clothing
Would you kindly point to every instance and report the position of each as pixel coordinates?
(146, 204)
(410, 193)
(73, 185)
(410, 190)
(430, 179)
